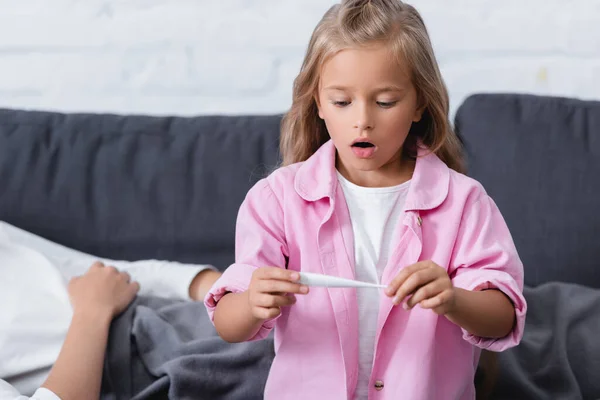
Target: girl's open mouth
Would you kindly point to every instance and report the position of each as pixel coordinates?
(363, 149)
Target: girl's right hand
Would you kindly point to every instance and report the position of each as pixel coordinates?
(272, 288)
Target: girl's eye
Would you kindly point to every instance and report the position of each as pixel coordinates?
(340, 103)
(386, 104)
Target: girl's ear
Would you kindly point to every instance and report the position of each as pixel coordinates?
(318, 106)
(419, 114)
(421, 107)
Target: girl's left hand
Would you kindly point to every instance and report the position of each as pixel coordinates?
(429, 285)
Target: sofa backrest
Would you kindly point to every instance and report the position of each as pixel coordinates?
(539, 159)
(133, 187)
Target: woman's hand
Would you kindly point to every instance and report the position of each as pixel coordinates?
(102, 290)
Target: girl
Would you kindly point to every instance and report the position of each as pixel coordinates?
(371, 189)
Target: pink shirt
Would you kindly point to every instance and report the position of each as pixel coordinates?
(298, 217)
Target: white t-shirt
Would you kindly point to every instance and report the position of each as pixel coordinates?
(374, 213)
(35, 311)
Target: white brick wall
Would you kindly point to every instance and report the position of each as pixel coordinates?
(240, 56)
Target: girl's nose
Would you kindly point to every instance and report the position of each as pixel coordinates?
(363, 119)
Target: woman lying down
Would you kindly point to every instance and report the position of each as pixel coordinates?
(57, 306)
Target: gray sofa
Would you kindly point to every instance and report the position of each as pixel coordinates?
(539, 158)
(137, 187)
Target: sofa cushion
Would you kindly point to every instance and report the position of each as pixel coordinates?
(539, 158)
(133, 187)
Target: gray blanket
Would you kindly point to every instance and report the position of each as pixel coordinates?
(161, 349)
(559, 356)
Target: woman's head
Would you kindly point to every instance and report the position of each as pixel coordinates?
(370, 71)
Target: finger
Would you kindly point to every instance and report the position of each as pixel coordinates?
(278, 274)
(438, 304)
(402, 276)
(413, 282)
(274, 286)
(269, 301)
(111, 269)
(134, 287)
(125, 276)
(425, 292)
(96, 265)
(267, 313)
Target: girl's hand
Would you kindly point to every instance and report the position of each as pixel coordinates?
(102, 290)
(270, 290)
(429, 285)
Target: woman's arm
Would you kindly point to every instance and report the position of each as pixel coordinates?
(97, 297)
(202, 283)
(156, 277)
(77, 372)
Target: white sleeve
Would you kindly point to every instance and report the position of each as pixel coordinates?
(156, 278)
(7, 392)
(161, 278)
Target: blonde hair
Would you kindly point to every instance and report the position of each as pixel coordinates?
(356, 23)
